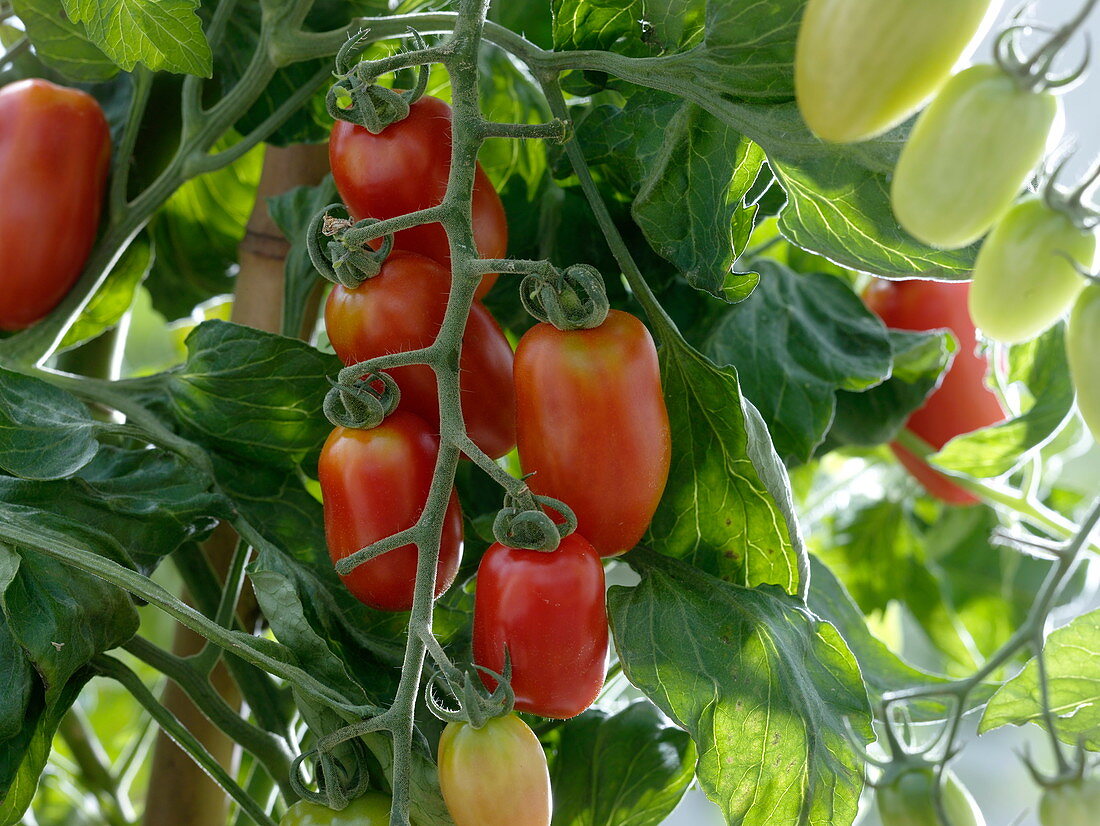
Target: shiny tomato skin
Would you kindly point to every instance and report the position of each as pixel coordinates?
(55, 151)
(864, 66)
(402, 308)
(374, 483)
(1083, 352)
(495, 775)
(404, 168)
(969, 155)
(909, 801)
(549, 610)
(372, 809)
(962, 402)
(1023, 282)
(592, 425)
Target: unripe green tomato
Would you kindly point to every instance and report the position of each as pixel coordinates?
(1083, 351)
(863, 66)
(1022, 281)
(969, 155)
(495, 775)
(1071, 804)
(909, 801)
(372, 809)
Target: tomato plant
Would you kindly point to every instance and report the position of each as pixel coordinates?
(863, 67)
(404, 168)
(55, 150)
(372, 809)
(606, 414)
(969, 155)
(547, 610)
(962, 402)
(1074, 803)
(909, 801)
(402, 308)
(349, 616)
(1082, 347)
(375, 483)
(494, 775)
(1023, 281)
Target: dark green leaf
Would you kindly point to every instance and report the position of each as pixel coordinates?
(1040, 367)
(717, 512)
(1072, 656)
(630, 769)
(689, 174)
(252, 394)
(795, 342)
(61, 617)
(136, 506)
(638, 28)
(45, 433)
(17, 681)
(874, 416)
(162, 34)
(762, 686)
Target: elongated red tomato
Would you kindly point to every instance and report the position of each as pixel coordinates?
(495, 775)
(374, 483)
(592, 425)
(548, 610)
(962, 402)
(55, 149)
(401, 309)
(404, 168)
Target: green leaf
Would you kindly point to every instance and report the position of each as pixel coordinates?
(163, 34)
(630, 769)
(1040, 367)
(762, 686)
(507, 95)
(23, 757)
(1072, 656)
(45, 433)
(17, 681)
(252, 394)
(689, 174)
(795, 342)
(634, 27)
(197, 233)
(62, 44)
(876, 549)
(875, 416)
(292, 211)
(136, 506)
(882, 669)
(115, 296)
(61, 617)
(718, 513)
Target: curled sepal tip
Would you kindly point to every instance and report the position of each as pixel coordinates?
(339, 250)
(475, 705)
(572, 299)
(362, 404)
(529, 527)
(356, 98)
(337, 783)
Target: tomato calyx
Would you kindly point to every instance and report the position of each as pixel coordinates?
(339, 248)
(363, 403)
(339, 772)
(476, 705)
(571, 299)
(356, 98)
(1032, 73)
(1070, 772)
(522, 522)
